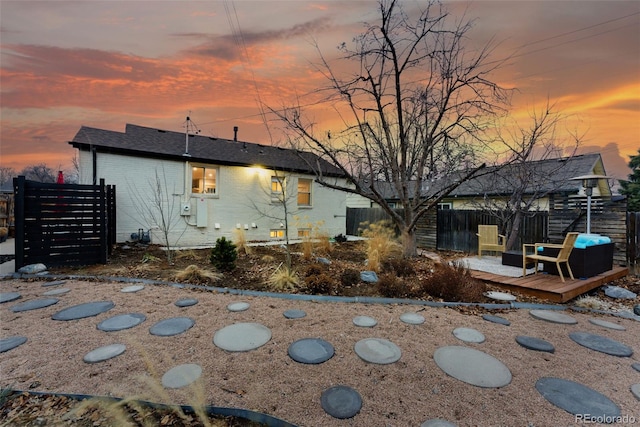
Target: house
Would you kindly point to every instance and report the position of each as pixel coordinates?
(204, 188)
(539, 179)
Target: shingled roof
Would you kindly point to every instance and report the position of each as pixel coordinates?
(156, 143)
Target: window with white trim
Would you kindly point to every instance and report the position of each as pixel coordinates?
(304, 191)
(445, 205)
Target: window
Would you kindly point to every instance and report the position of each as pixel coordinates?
(304, 192)
(445, 205)
(276, 234)
(304, 232)
(204, 180)
(277, 188)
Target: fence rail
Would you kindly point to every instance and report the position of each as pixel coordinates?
(63, 224)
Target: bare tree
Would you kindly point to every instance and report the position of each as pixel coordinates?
(529, 171)
(40, 172)
(158, 208)
(6, 174)
(415, 110)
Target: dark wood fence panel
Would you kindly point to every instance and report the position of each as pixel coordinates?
(357, 216)
(633, 242)
(63, 224)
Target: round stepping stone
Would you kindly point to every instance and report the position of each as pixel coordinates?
(10, 343)
(412, 318)
(469, 335)
(472, 366)
(536, 344)
(601, 344)
(294, 314)
(34, 304)
(238, 306)
(437, 422)
(365, 321)
(635, 390)
(496, 319)
(636, 366)
(132, 289)
(378, 350)
(54, 283)
(500, 296)
(80, 311)
(172, 326)
(553, 317)
(341, 401)
(186, 302)
(576, 398)
(311, 351)
(181, 375)
(9, 296)
(608, 325)
(242, 336)
(59, 291)
(121, 321)
(104, 353)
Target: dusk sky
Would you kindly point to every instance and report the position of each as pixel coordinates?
(65, 64)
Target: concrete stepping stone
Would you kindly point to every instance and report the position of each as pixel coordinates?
(186, 302)
(636, 366)
(365, 321)
(412, 318)
(536, 344)
(635, 390)
(496, 319)
(553, 317)
(10, 343)
(294, 314)
(378, 351)
(311, 351)
(9, 296)
(576, 398)
(469, 335)
(132, 289)
(472, 366)
(437, 422)
(500, 296)
(608, 325)
(341, 402)
(601, 344)
(242, 337)
(34, 304)
(172, 326)
(121, 321)
(181, 375)
(238, 306)
(54, 292)
(619, 293)
(54, 283)
(33, 268)
(104, 353)
(80, 311)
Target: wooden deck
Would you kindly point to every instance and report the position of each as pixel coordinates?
(549, 286)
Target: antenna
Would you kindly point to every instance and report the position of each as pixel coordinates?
(189, 125)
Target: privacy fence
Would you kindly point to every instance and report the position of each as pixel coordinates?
(63, 224)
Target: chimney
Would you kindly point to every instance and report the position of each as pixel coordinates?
(235, 133)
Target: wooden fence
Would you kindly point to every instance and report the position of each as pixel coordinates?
(633, 242)
(63, 224)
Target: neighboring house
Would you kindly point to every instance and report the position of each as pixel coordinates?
(216, 186)
(543, 178)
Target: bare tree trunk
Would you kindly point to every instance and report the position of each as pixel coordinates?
(515, 230)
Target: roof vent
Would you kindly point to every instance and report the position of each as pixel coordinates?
(235, 133)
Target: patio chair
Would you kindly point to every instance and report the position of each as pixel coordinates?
(490, 240)
(563, 255)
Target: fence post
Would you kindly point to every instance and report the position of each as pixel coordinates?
(18, 213)
(632, 241)
(104, 237)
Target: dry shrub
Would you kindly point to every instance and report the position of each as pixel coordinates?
(267, 259)
(593, 303)
(321, 284)
(240, 240)
(195, 274)
(186, 254)
(323, 242)
(381, 244)
(453, 283)
(349, 277)
(402, 267)
(391, 286)
(307, 248)
(315, 270)
(283, 279)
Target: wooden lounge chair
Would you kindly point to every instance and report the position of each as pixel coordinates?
(563, 255)
(490, 240)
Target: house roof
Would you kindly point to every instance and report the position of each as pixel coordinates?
(156, 143)
(542, 176)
